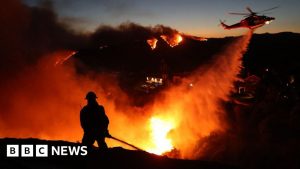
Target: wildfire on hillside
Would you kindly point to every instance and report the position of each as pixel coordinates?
(173, 40)
(152, 43)
(177, 119)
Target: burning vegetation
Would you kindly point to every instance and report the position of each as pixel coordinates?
(152, 43)
(59, 91)
(172, 40)
(160, 124)
(160, 129)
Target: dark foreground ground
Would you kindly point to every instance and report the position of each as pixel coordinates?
(113, 158)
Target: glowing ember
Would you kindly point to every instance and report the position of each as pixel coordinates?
(65, 57)
(159, 131)
(152, 43)
(172, 40)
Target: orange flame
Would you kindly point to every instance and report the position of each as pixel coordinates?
(180, 119)
(159, 132)
(174, 40)
(190, 114)
(152, 43)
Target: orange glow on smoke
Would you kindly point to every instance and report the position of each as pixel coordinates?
(189, 114)
(152, 43)
(173, 40)
(44, 102)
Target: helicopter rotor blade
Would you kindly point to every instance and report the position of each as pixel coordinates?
(268, 9)
(250, 10)
(234, 13)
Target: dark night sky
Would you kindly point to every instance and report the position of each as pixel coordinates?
(197, 17)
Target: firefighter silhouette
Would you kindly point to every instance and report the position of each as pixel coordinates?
(94, 122)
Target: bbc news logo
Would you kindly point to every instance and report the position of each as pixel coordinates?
(43, 150)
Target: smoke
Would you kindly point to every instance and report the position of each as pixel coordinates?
(128, 32)
(28, 33)
(262, 133)
(43, 100)
(195, 105)
(31, 90)
(39, 99)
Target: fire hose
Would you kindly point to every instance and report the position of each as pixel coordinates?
(126, 143)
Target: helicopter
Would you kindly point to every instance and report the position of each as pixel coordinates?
(252, 20)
